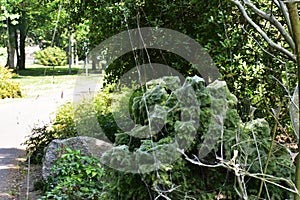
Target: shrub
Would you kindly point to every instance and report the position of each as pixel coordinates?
(8, 87)
(62, 127)
(162, 104)
(76, 177)
(94, 117)
(36, 142)
(51, 56)
(220, 132)
(65, 126)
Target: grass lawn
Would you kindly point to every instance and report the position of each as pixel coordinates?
(37, 80)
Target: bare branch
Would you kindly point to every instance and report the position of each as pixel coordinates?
(264, 50)
(262, 33)
(271, 18)
(198, 162)
(276, 2)
(291, 1)
(286, 16)
(240, 173)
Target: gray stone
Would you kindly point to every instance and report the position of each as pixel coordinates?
(88, 146)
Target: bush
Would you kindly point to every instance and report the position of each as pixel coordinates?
(8, 87)
(214, 141)
(62, 127)
(36, 142)
(76, 177)
(166, 104)
(51, 56)
(65, 126)
(93, 117)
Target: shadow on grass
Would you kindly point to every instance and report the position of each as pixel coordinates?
(46, 71)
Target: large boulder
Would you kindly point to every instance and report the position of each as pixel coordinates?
(88, 146)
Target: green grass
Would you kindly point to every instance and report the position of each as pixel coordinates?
(40, 70)
(37, 80)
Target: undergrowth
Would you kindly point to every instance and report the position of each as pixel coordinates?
(8, 87)
(218, 155)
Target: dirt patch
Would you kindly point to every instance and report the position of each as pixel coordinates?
(29, 181)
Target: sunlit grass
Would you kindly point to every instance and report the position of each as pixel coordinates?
(38, 80)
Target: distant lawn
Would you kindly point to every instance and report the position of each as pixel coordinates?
(38, 80)
(40, 70)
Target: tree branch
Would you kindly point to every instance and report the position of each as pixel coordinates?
(262, 33)
(274, 21)
(286, 15)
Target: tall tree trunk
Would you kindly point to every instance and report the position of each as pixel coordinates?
(11, 45)
(23, 32)
(94, 62)
(293, 12)
(17, 47)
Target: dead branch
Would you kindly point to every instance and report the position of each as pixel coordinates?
(262, 33)
(271, 18)
(286, 16)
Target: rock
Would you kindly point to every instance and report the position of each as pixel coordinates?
(88, 146)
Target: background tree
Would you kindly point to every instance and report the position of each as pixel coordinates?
(284, 18)
(36, 20)
(9, 20)
(220, 29)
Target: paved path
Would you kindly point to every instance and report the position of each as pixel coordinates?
(17, 118)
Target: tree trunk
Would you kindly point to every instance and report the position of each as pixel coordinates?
(293, 12)
(17, 36)
(23, 32)
(11, 45)
(94, 63)
(20, 42)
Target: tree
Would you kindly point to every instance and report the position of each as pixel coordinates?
(288, 27)
(23, 18)
(9, 20)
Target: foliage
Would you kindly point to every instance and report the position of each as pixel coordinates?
(93, 117)
(7, 12)
(66, 126)
(51, 56)
(252, 75)
(76, 177)
(251, 140)
(254, 148)
(167, 99)
(63, 127)
(8, 87)
(35, 143)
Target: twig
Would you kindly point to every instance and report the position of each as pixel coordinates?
(240, 172)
